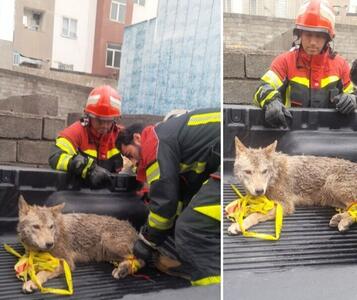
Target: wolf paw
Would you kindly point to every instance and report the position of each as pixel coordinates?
(234, 229)
(29, 287)
(120, 272)
(335, 220)
(344, 225)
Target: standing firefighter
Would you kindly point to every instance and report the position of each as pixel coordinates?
(180, 160)
(309, 75)
(87, 147)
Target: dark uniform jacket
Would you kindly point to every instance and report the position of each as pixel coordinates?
(302, 80)
(177, 157)
(78, 138)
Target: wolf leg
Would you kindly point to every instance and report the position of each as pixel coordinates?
(342, 221)
(127, 267)
(251, 220)
(42, 276)
(335, 220)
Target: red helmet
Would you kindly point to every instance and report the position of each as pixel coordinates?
(103, 102)
(318, 16)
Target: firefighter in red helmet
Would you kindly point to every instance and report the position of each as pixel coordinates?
(311, 74)
(87, 147)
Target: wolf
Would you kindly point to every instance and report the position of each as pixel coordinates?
(295, 181)
(75, 237)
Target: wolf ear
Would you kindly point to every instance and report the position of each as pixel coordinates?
(271, 148)
(58, 208)
(239, 146)
(23, 206)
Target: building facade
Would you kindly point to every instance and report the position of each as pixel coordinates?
(111, 18)
(73, 35)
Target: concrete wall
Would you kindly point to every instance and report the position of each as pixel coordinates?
(247, 32)
(242, 72)
(74, 51)
(72, 97)
(35, 44)
(173, 61)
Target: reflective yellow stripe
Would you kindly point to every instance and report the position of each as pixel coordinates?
(85, 170)
(153, 172)
(65, 145)
(179, 208)
(288, 97)
(301, 80)
(328, 80)
(63, 160)
(207, 281)
(269, 97)
(112, 152)
(272, 79)
(158, 222)
(213, 211)
(196, 166)
(201, 119)
(91, 152)
(348, 89)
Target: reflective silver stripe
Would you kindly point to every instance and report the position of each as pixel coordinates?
(65, 145)
(272, 79)
(86, 168)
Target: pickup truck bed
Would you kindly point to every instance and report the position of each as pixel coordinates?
(310, 260)
(91, 281)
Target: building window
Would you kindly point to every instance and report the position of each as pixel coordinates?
(69, 28)
(113, 56)
(32, 19)
(118, 10)
(140, 2)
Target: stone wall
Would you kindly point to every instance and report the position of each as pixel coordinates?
(241, 75)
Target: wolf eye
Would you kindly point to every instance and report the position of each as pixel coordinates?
(248, 172)
(264, 171)
(50, 227)
(36, 226)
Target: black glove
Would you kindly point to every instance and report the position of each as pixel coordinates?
(345, 103)
(77, 164)
(276, 114)
(98, 176)
(142, 250)
(353, 72)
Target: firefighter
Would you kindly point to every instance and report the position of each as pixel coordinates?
(179, 159)
(311, 74)
(87, 147)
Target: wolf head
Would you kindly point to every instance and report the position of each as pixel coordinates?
(37, 227)
(254, 167)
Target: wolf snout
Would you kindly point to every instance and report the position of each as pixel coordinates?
(259, 192)
(49, 245)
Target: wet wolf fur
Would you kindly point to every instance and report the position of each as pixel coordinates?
(76, 238)
(295, 181)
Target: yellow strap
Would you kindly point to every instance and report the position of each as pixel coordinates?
(205, 118)
(33, 262)
(207, 281)
(134, 264)
(246, 205)
(352, 210)
(213, 211)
